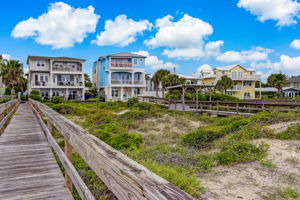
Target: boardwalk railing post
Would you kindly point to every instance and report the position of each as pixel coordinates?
(69, 154)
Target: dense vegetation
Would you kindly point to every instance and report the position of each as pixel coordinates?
(176, 156)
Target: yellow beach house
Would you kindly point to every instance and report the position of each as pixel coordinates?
(244, 80)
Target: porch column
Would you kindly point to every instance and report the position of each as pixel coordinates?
(132, 77)
(50, 93)
(67, 94)
(132, 92)
(122, 93)
(83, 94)
(183, 100)
(197, 97)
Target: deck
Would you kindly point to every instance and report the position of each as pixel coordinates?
(28, 169)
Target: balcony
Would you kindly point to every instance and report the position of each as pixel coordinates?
(42, 84)
(236, 88)
(127, 82)
(247, 78)
(65, 69)
(121, 64)
(70, 83)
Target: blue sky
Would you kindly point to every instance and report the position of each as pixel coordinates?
(186, 34)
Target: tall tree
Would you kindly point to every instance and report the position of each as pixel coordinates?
(11, 73)
(277, 81)
(157, 79)
(87, 81)
(172, 80)
(224, 84)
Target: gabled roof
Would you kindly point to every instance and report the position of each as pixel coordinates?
(186, 76)
(123, 55)
(230, 67)
(294, 79)
(54, 58)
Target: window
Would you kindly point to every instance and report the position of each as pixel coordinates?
(53, 79)
(46, 78)
(247, 94)
(114, 92)
(251, 73)
(223, 72)
(247, 84)
(141, 59)
(135, 61)
(41, 78)
(40, 63)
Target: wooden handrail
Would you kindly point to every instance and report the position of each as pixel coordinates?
(81, 187)
(126, 178)
(10, 107)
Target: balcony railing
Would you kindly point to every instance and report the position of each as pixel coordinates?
(248, 77)
(236, 88)
(136, 82)
(71, 83)
(66, 69)
(43, 83)
(121, 64)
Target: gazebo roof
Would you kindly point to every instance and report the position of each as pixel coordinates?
(187, 86)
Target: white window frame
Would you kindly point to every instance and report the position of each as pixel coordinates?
(40, 63)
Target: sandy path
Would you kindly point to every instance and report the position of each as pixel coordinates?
(254, 181)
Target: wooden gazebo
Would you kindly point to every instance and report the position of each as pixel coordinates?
(196, 87)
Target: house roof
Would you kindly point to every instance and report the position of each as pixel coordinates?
(210, 75)
(186, 76)
(230, 67)
(52, 58)
(272, 89)
(294, 79)
(123, 55)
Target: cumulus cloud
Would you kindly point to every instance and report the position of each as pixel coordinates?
(183, 39)
(285, 12)
(204, 67)
(61, 27)
(121, 31)
(295, 44)
(154, 62)
(6, 56)
(286, 64)
(253, 55)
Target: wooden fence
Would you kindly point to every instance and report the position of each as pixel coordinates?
(126, 178)
(6, 112)
(228, 107)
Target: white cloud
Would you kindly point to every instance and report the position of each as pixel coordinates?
(121, 31)
(183, 39)
(204, 67)
(253, 55)
(295, 44)
(286, 64)
(61, 27)
(282, 11)
(154, 62)
(6, 56)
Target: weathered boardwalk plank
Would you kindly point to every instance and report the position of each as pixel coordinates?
(28, 169)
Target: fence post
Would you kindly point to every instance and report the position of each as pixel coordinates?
(69, 154)
(237, 108)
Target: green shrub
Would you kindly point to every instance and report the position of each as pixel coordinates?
(288, 193)
(220, 97)
(35, 95)
(135, 114)
(233, 123)
(7, 91)
(132, 101)
(292, 133)
(63, 109)
(57, 100)
(202, 137)
(240, 151)
(269, 117)
(125, 141)
(24, 98)
(178, 176)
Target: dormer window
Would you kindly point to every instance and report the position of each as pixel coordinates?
(40, 63)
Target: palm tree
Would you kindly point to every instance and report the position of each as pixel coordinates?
(172, 80)
(224, 84)
(11, 73)
(157, 79)
(87, 81)
(277, 81)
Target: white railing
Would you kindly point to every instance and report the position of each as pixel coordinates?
(246, 77)
(120, 82)
(236, 88)
(66, 69)
(121, 64)
(47, 84)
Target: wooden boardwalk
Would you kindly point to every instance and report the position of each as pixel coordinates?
(28, 169)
